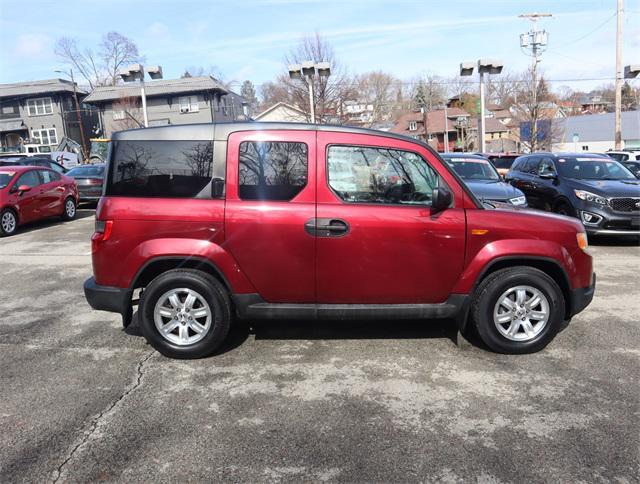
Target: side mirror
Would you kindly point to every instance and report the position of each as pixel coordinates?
(549, 175)
(441, 199)
(24, 188)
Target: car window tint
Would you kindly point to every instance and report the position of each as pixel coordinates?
(87, 171)
(56, 167)
(170, 169)
(29, 178)
(546, 166)
(379, 175)
(270, 170)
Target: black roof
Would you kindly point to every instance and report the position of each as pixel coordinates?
(221, 131)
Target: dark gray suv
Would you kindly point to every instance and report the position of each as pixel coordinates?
(598, 190)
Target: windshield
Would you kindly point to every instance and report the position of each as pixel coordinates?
(502, 161)
(88, 171)
(473, 169)
(593, 169)
(5, 178)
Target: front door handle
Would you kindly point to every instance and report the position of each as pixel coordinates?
(326, 227)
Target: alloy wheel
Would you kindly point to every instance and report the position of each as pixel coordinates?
(521, 313)
(70, 208)
(8, 222)
(182, 316)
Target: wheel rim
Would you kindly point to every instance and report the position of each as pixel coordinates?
(521, 313)
(70, 208)
(182, 316)
(8, 222)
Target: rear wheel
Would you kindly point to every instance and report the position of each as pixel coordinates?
(69, 210)
(8, 222)
(518, 310)
(185, 314)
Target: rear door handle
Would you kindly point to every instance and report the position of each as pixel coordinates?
(326, 227)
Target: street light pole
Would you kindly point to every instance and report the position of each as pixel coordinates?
(307, 71)
(136, 72)
(312, 106)
(481, 124)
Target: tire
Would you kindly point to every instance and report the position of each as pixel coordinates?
(190, 336)
(528, 335)
(69, 209)
(565, 208)
(8, 222)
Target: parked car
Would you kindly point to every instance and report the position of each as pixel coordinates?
(30, 193)
(483, 179)
(299, 221)
(630, 159)
(89, 179)
(624, 155)
(502, 161)
(35, 161)
(598, 190)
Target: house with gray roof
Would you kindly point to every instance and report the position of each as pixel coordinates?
(596, 132)
(188, 100)
(41, 111)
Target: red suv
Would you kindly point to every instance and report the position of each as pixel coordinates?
(30, 193)
(278, 220)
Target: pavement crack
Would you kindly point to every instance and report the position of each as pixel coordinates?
(95, 421)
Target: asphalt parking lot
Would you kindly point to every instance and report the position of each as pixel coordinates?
(83, 400)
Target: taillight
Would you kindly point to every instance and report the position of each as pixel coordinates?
(102, 233)
(94, 181)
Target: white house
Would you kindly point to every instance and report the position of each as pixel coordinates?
(596, 132)
(282, 112)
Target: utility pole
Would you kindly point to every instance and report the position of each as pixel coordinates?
(424, 112)
(534, 43)
(83, 141)
(618, 115)
(446, 130)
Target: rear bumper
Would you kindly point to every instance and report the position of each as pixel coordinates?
(582, 297)
(106, 298)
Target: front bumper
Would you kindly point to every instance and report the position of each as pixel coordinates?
(610, 222)
(582, 297)
(106, 298)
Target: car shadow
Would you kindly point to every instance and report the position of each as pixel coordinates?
(614, 240)
(52, 221)
(318, 330)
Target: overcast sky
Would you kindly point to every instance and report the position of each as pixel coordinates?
(247, 39)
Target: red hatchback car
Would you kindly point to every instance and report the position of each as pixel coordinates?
(279, 220)
(30, 193)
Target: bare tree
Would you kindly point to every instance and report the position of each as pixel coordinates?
(503, 90)
(379, 90)
(98, 68)
(537, 110)
(329, 93)
(116, 51)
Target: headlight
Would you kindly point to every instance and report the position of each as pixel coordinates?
(518, 201)
(591, 197)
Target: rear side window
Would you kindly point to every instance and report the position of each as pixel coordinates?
(379, 175)
(49, 176)
(272, 170)
(170, 169)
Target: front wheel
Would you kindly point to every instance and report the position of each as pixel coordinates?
(8, 222)
(518, 310)
(69, 210)
(185, 314)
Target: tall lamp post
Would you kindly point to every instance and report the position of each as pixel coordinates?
(135, 72)
(485, 66)
(78, 116)
(308, 71)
